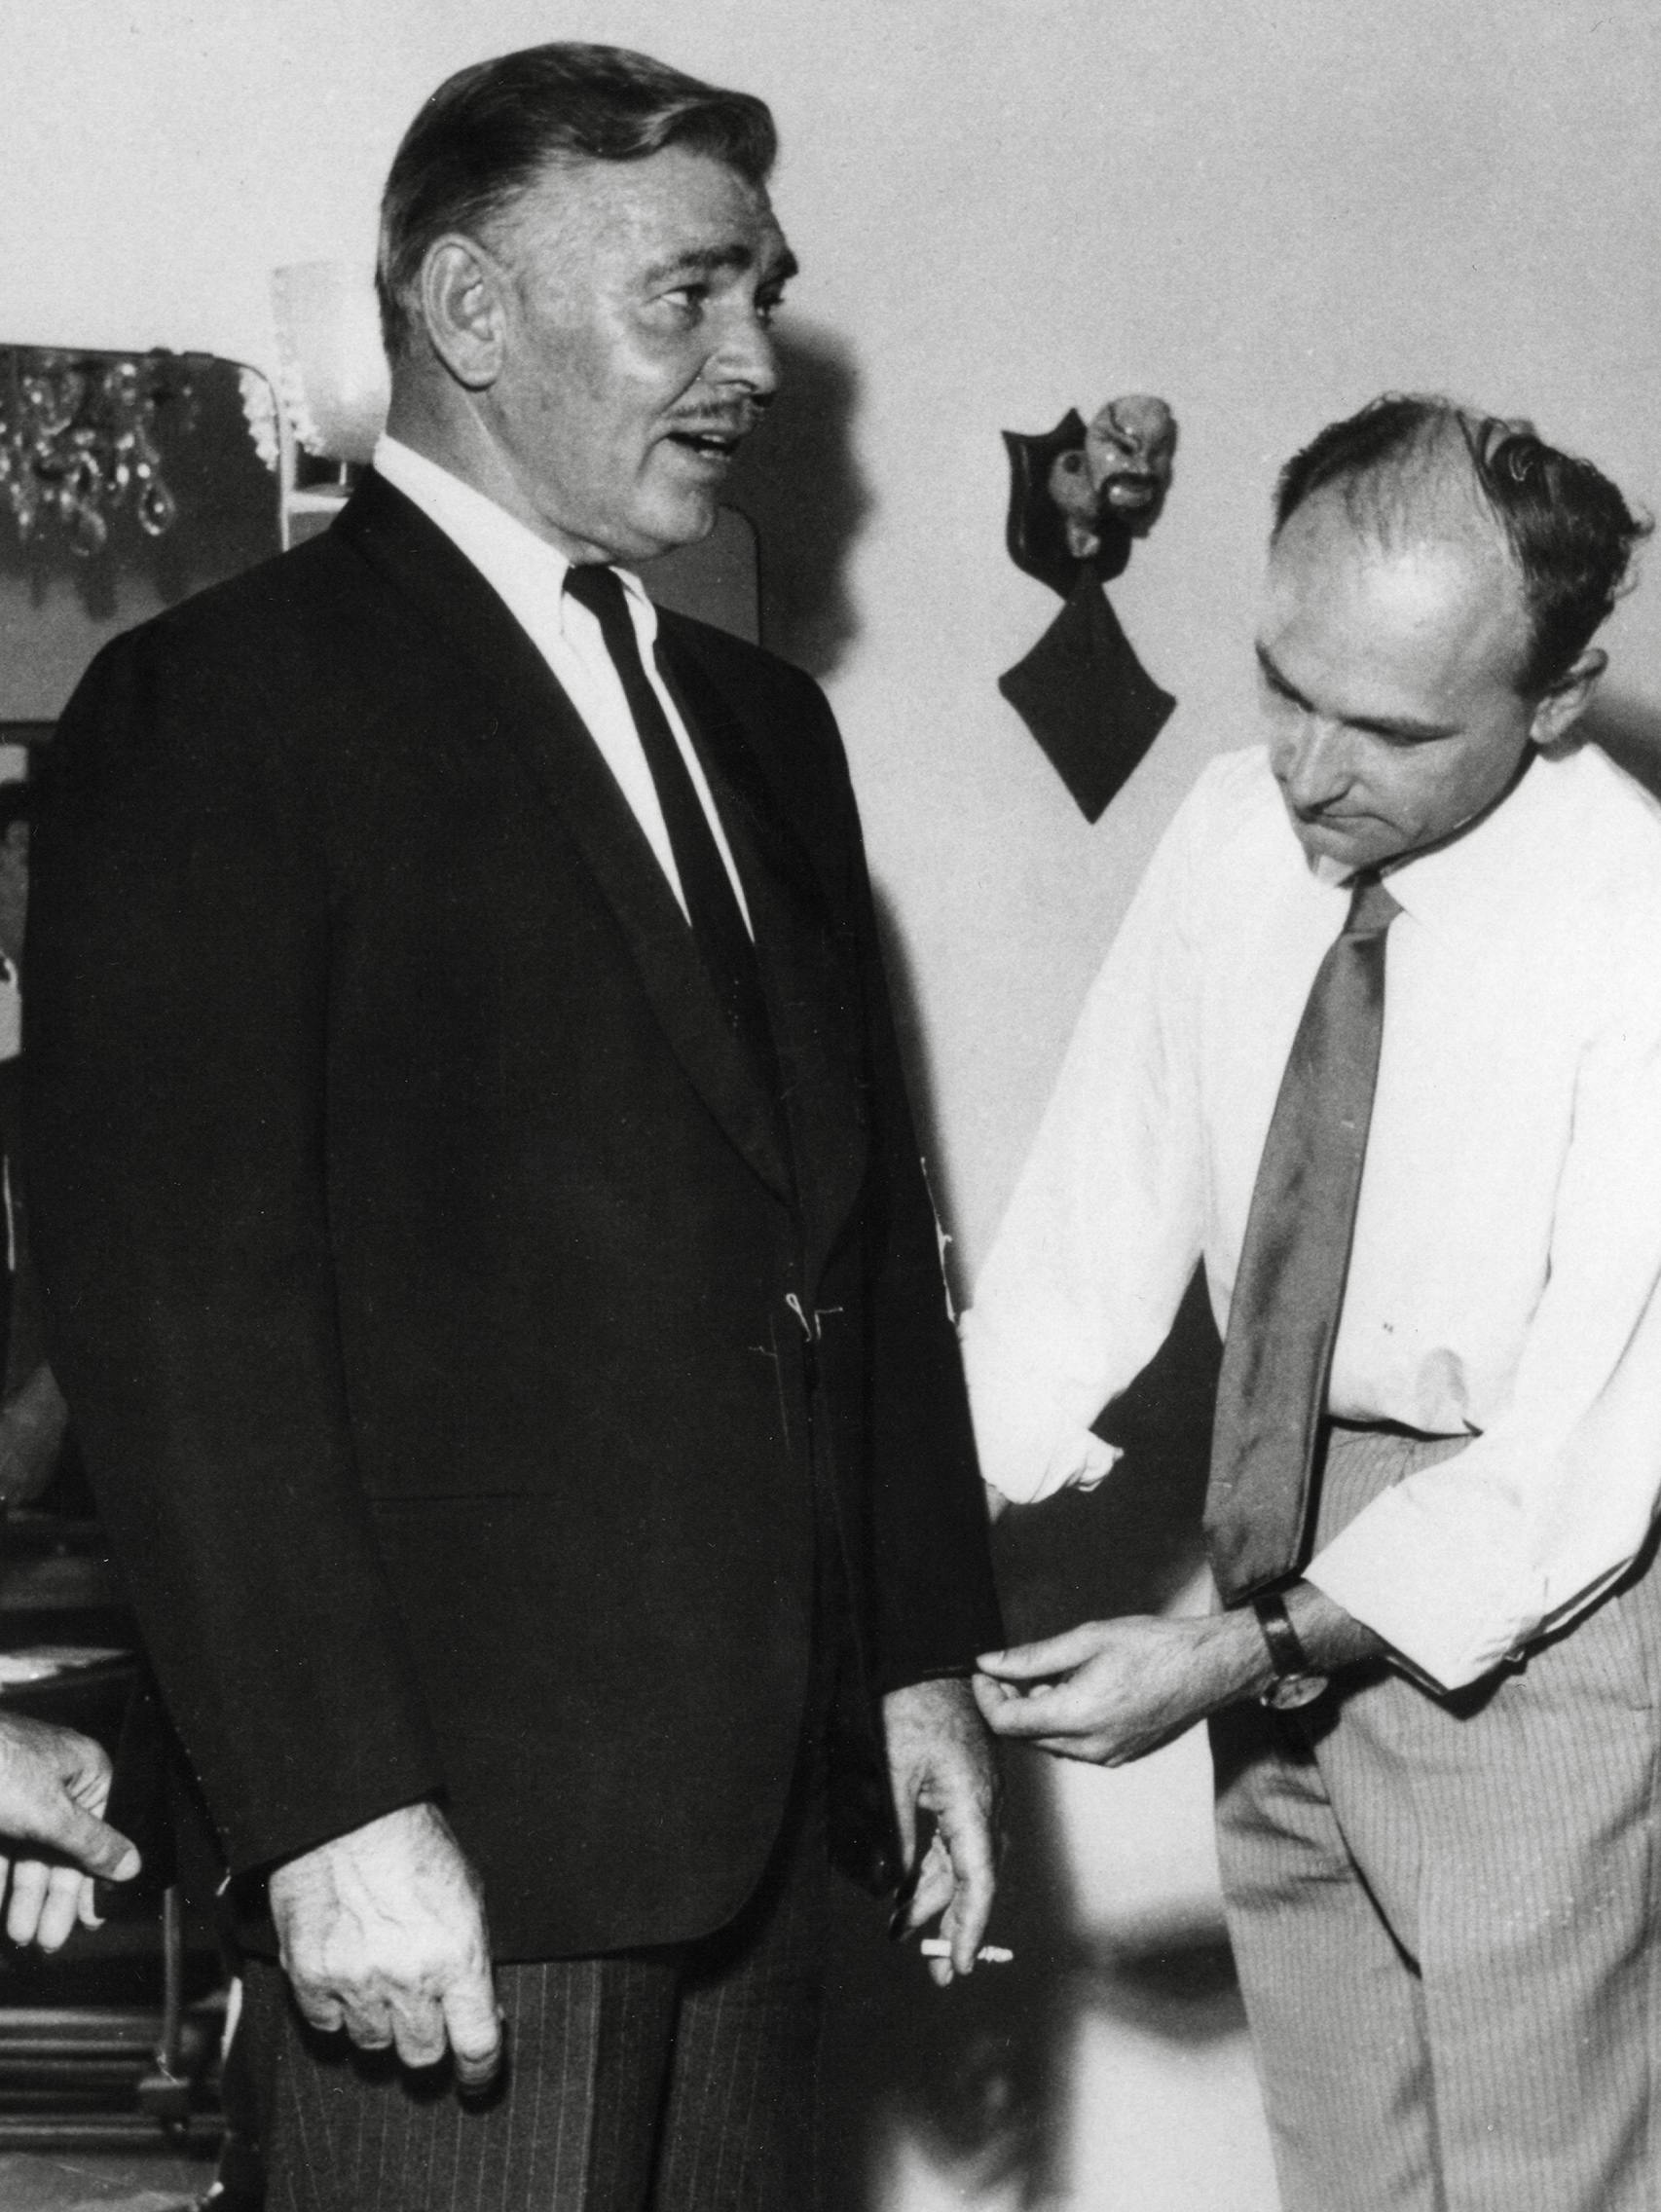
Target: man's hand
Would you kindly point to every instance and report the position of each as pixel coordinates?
(939, 1761)
(54, 1787)
(382, 1934)
(1112, 1691)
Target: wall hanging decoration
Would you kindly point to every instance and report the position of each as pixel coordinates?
(1080, 497)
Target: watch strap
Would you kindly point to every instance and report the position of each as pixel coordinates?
(1296, 1681)
(1286, 1652)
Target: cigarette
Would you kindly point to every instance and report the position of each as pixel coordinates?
(990, 1954)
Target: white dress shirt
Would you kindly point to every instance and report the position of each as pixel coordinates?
(1503, 1283)
(529, 574)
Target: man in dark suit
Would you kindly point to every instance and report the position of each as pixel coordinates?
(485, 1245)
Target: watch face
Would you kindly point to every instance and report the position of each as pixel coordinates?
(1294, 1690)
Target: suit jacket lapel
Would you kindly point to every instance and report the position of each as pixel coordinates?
(538, 718)
(809, 968)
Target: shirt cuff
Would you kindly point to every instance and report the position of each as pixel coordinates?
(1025, 1474)
(1453, 1611)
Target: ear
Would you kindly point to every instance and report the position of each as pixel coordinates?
(1558, 710)
(464, 308)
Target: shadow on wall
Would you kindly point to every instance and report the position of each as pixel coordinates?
(800, 485)
(980, 2074)
(919, 1075)
(1629, 730)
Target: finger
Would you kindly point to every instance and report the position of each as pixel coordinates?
(57, 1914)
(906, 1819)
(1053, 1655)
(1040, 1713)
(988, 1693)
(86, 1909)
(1093, 1750)
(935, 1884)
(935, 1892)
(30, 1878)
(472, 2021)
(368, 2024)
(94, 1846)
(320, 2008)
(973, 1859)
(416, 2027)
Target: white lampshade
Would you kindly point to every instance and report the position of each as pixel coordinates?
(331, 369)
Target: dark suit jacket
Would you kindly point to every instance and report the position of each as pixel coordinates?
(449, 1339)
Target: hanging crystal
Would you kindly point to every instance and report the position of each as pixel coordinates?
(77, 440)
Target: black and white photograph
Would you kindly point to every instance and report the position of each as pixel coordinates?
(829, 1106)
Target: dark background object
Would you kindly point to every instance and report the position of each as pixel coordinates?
(1036, 533)
(56, 608)
(1086, 698)
(1079, 495)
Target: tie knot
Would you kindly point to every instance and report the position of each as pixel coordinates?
(596, 587)
(1372, 910)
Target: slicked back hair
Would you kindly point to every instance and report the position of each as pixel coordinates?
(488, 131)
(1570, 532)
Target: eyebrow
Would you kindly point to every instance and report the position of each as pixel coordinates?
(1376, 726)
(713, 260)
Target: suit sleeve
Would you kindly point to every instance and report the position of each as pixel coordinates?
(937, 1604)
(176, 1064)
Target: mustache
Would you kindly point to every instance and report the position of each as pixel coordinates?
(734, 422)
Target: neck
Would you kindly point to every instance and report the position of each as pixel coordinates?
(441, 421)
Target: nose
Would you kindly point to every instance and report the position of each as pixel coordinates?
(747, 357)
(1311, 760)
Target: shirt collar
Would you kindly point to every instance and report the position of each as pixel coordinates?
(1494, 870)
(522, 568)
(1490, 875)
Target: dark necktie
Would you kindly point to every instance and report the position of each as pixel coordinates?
(1289, 1291)
(725, 945)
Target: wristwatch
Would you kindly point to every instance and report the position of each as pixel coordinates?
(1296, 1682)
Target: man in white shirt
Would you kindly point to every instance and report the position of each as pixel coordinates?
(1436, 1672)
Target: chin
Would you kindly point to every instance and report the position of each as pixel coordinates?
(674, 523)
(1353, 850)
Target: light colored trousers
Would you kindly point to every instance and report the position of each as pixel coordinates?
(1445, 1915)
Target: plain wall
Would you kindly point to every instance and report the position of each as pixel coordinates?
(1003, 208)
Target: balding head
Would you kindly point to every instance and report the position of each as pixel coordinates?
(1412, 472)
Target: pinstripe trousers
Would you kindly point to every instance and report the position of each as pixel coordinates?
(680, 2079)
(1445, 1913)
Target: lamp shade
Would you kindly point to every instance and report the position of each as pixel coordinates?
(331, 369)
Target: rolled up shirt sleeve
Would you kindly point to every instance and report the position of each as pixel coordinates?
(1105, 1226)
(1464, 1563)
